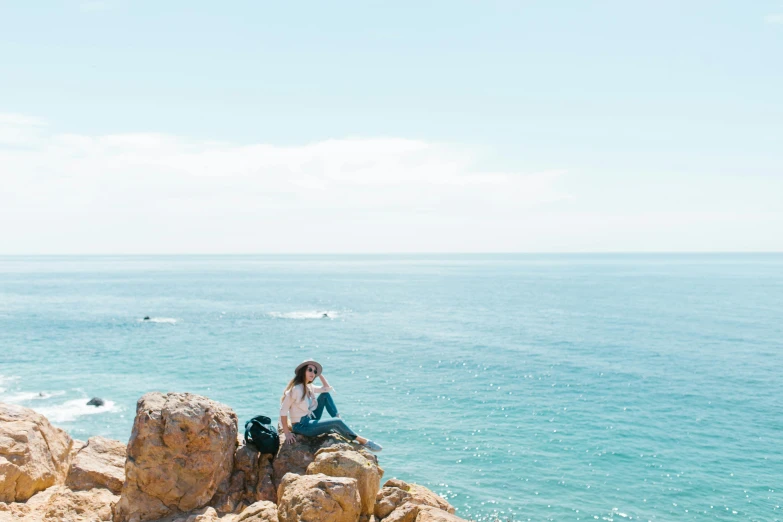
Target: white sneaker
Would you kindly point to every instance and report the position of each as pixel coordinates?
(373, 446)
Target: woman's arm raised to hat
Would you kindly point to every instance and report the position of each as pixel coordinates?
(325, 388)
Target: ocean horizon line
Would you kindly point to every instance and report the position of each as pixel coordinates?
(402, 254)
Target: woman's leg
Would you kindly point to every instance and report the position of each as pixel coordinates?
(325, 401)
(311, 428)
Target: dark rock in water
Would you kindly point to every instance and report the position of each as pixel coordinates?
(146, 317)
(95, 401)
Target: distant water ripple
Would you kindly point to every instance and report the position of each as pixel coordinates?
(519, 387)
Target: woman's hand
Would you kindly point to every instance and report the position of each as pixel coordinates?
(290, 438)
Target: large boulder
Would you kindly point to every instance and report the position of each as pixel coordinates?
(318, 498)
(58, 503)
(395, 493)
(294, 458)
(99, 464)
(34, 455)
(343, 460)
(250, 481)
(180, 450)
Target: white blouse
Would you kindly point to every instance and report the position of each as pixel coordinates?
(296, 404)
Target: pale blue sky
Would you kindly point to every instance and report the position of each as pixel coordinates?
(492, 126)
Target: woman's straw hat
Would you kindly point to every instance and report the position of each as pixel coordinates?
(310, 361)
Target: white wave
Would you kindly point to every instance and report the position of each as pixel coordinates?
(306, 314)
(5, 380)
(73, 409)
(22, 397)
(163, 320)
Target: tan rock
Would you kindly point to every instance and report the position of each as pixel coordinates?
(404, 513)
(181, 448)
(334, 444)
(59, 503)
(318, 498)
(5, 513)
(34, 455)
(433, 514)
(250, 481)
(342, 460)
(207, 514)
(261, 511)
(77, 446)
(396, 492)
(409, 512)
(294, 458)
(99, 464)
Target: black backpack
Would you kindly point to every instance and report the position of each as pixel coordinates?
(261, 435)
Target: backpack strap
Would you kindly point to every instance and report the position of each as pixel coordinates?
(247, 431)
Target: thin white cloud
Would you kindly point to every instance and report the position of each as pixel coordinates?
(19, 129)
(83, 187)
(776, 18)
(20, 120)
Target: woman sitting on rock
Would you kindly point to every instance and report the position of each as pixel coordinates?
(300, 404)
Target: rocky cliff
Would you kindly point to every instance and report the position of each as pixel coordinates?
(185, 462)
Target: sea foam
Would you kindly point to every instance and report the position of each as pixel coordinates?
(73, 409)
(23, 397)
(5, 380)
(41, 402)
(306, 314)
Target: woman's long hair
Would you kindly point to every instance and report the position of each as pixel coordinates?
(299, 378)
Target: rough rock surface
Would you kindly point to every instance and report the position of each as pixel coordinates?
(318, 498)
(59, 503)
(433, 514)
(34, 455)
(409, 512)
(396, 493)
(294, 458)
(99, 464)
(77, 446)
(343, 460)
(181, 448)
(249, 482)
(405, 513)
(185, 464)
(207, 514)
(261, 511)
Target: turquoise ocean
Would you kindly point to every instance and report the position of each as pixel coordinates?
(519, 387)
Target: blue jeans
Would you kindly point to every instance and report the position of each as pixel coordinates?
(312, 426)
